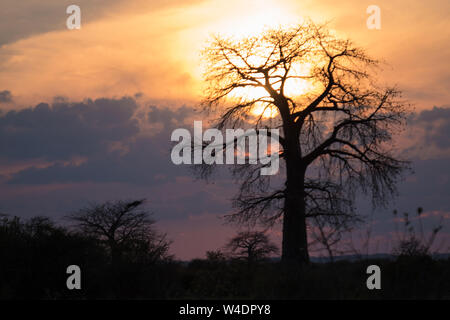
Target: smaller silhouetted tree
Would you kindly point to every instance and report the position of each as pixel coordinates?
(251, 246)
(125, 229)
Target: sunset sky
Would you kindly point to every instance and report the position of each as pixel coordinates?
(86, 115)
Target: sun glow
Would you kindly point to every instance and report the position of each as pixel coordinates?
(240, 19)
(253, 19)
(294, 88)
(258, 16)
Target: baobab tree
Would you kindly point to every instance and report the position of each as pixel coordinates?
(251, 245)
(124, 228)
(336, 125)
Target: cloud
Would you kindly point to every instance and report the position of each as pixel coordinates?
(146, 162)
(437, 125)
(168, 116)
(33, 17)
(118, 140)
(98, 141)
(427, 135)
(64, 130)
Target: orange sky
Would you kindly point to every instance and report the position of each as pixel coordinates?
(129, 47)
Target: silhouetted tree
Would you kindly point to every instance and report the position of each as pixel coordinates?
(335, 138)
(251, 246)
(125, 229)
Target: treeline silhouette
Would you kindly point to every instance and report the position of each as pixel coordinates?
(121, 255)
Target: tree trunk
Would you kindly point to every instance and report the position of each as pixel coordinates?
(295, 242)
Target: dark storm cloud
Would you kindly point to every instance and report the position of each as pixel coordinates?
(64, 130)
(104, 133)
(437, 113)
(5, 96)
(90, 129)
(436, 123)
(168, 116)
(147, 162)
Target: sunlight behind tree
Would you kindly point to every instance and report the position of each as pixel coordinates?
(336, 124)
